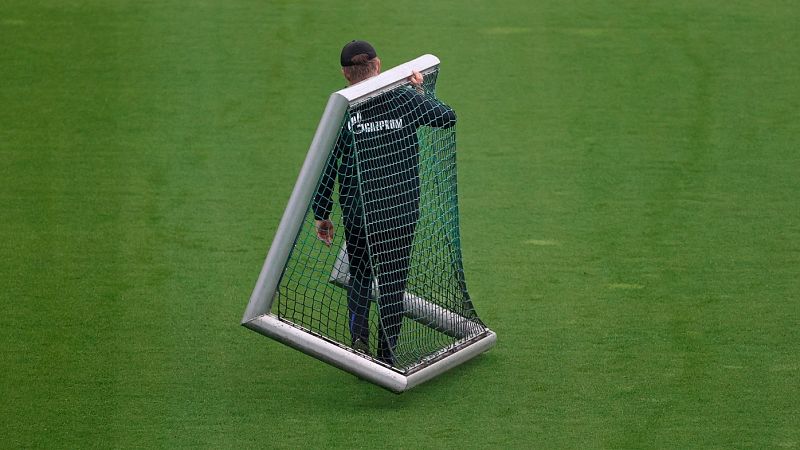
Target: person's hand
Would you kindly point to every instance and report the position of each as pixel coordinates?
(324, 231)
(415, 78)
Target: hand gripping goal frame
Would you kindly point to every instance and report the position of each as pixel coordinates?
(258, 315)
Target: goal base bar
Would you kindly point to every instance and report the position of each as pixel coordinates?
(351, 362)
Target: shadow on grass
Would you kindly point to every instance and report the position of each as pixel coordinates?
(363, 394)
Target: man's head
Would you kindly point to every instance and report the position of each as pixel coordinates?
(359, 61)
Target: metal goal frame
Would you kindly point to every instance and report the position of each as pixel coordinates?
(258, 316)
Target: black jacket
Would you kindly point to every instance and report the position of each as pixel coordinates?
(378, 143)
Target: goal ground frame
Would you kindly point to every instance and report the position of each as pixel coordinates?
(258, 316)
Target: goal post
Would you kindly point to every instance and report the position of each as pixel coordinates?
(400, 314)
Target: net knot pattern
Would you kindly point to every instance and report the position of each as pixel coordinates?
(391, 284)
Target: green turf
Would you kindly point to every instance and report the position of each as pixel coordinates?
(629, 183)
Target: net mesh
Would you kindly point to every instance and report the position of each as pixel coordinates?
(391, 283)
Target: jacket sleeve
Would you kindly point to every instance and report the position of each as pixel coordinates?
(323, 203)
(434, 113)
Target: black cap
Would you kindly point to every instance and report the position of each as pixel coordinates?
(354, 48)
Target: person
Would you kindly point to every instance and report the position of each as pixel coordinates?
(377, 146)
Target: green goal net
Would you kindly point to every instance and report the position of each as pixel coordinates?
(365, 270)
(391, 283)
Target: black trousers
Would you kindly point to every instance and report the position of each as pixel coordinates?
(385, 255)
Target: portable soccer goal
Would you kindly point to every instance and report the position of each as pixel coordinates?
(392, 263)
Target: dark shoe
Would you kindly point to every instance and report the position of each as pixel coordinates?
(361, 346)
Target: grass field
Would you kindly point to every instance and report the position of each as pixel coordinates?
(629, 182)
